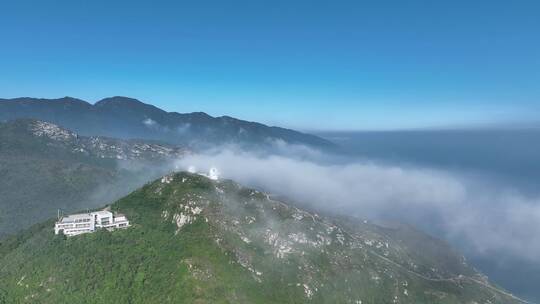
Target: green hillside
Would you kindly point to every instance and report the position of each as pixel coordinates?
(44, 167)
(194, 240)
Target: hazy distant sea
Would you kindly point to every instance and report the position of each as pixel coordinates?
(511, 157)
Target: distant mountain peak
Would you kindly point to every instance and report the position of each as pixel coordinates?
(66, 100)
(119, 100)
(72, 99)
(125, 117)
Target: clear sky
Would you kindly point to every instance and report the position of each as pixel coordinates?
(303, 64)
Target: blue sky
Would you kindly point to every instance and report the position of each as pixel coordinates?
(341, 65)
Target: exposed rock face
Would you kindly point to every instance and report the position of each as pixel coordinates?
(104, 147)
(52, 131)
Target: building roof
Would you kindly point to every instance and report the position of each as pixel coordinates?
(72, 217)
(102, 213)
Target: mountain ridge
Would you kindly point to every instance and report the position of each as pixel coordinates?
(125, 117)
(203, 241)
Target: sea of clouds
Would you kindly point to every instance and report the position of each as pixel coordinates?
(484, 216)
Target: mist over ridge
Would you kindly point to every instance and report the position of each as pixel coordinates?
(493, 221)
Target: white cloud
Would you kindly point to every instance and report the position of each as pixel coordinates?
(149, 122)
(488, 219)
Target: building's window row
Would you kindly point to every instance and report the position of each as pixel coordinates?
(82, 220)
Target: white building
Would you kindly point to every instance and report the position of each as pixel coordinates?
(80, 223)
(213, 173)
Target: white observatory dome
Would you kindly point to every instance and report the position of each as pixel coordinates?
(213, 173)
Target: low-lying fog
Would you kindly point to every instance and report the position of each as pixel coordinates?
(495, 223)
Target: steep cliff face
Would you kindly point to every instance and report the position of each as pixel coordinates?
(197, 240)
